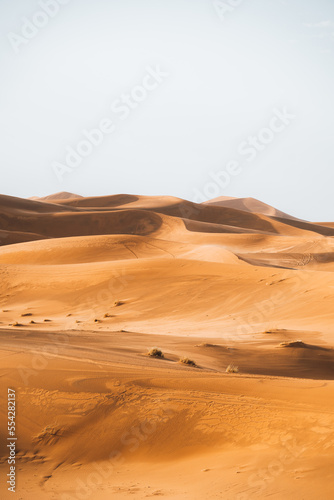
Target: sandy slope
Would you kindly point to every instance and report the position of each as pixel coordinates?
(89, 285)
(249, 205)
(56, 197)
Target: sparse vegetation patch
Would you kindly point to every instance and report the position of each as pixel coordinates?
(232, 369)
(187, 361)
(293, 343)
(156, 353)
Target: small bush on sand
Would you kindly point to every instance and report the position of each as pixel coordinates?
(232, 369)
(118, 303)
(293, 343)
(17, 324)
(107, 315)
(275, 330)
(156, 353)
(26, 314)
(187, 361)
(205, 344)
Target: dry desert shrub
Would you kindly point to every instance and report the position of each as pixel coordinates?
(292, 343)
(17, 324)
(275, 330)
(205, 344)
(155, 353)
(26, 314)
(118, 303)
(232, 369)
(188, 362)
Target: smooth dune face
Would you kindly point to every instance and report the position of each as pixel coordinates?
(90, 285)
(249, 205)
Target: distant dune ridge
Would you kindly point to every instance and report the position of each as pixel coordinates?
(65, 215)
(235, 294)
(249, 205)
(63, 195)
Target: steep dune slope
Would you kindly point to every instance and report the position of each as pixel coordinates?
(57, 197)
(249, 205)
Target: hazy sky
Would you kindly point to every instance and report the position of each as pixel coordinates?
(193, 98)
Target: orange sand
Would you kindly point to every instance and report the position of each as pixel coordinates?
(223, 283)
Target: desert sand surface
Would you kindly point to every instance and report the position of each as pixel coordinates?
(89, 285)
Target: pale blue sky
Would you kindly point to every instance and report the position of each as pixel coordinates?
(227, 75)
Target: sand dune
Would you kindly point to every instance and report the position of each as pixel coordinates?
(63, 195)
(140, 215)
(90, 285)
(249, 205)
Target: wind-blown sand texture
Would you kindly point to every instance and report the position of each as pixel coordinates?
(90, 285)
